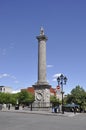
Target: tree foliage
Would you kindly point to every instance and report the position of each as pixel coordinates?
(25, 97)
(54, 100)
(77, 96)
(8, 98)
(22, 97)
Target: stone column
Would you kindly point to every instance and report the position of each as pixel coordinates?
(42, 87)
(42, 58)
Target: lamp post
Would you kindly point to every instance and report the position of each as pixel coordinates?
(62, 81)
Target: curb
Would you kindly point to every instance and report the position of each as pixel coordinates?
(41, 113)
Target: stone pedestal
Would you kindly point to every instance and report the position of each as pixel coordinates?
(42, 94)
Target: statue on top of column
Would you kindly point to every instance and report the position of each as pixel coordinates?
(41, 31)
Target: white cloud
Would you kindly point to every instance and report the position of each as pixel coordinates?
(55, 76)
(49, 66)
(5, 75)
(16, 91)
(16, 81)
(54, 80)
(13, 77)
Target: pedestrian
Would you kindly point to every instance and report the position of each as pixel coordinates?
(74, 110)
(8, 106)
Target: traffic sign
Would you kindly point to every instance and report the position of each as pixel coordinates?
(58, 87)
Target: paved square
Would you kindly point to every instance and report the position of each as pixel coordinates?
(27, 121)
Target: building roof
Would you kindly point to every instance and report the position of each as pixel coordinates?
(31, 90)
(2, 86)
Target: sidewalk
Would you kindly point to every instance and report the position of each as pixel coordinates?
(66, 114)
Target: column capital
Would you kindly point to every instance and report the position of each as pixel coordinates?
(42, 36)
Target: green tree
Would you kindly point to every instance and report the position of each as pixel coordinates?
(14, 98)
(54, 100)
(1, 98)
(68, 99)
(22, 97)
(5, 98)
(25, 97)
(77, 96)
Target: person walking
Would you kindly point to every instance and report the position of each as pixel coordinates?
(8, 106)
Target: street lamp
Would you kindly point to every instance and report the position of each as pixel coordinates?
(62, 81)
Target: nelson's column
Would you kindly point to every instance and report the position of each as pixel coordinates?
(42, 87)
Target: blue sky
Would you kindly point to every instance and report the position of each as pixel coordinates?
(64, 23)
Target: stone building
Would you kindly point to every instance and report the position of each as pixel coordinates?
(5, 89)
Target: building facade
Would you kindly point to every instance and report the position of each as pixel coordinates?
(5, 89)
